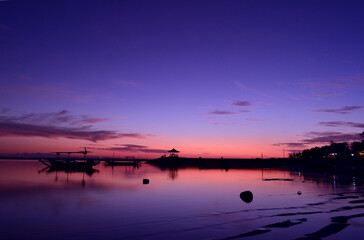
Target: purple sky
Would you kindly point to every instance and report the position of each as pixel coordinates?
(210, 78)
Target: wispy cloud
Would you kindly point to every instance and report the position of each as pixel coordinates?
(127, 84)
(290, 144)
(316, 88)
(326, 137)
(84, 133)
(240, 123)
(255, 119)
(322, 84)
(228, 124)
(47, 91)
(52, 118)
(342, 124)
(321, 88)
(336, 84)
(224, 112)
(355, 78)
(321, 138)
(343, 110)
(132, 148)
(4, 110)
(95, 120)
(323, 93)
(241, 104)
(57, 125)
(248, 89)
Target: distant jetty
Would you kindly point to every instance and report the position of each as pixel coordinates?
(174, 161)
(223, 162)
(341, 165)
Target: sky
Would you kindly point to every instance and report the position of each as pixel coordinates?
(209, 78)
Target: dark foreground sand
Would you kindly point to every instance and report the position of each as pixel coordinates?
(339, 218)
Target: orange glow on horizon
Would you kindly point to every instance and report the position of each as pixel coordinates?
(204, 149)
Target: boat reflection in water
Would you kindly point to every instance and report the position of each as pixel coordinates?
(134, 163)
(67, 168)
(69, 164)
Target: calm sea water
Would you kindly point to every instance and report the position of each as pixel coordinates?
(113, 203)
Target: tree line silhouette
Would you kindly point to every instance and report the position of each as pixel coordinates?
(334, 151)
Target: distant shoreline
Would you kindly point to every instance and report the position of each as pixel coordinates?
(344, 164)
(288, 163)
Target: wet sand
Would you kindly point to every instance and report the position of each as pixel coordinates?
(339, 218)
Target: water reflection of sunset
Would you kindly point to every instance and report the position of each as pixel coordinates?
(193, 202)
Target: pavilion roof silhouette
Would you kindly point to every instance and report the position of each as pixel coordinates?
(173, 151)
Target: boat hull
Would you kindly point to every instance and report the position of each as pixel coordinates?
(69, 164)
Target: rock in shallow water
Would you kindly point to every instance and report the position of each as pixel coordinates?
(246, 196)
(145, 181)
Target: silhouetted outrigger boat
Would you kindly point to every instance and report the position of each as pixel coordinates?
(70, 164)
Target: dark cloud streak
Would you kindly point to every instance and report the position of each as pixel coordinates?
(342, 124)
(95, 120)
(242, 104)
(132, 148)
(326, 137)
(224, 112)
(343, 110)
(322, 138)
(83, 133)
(56, 125)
